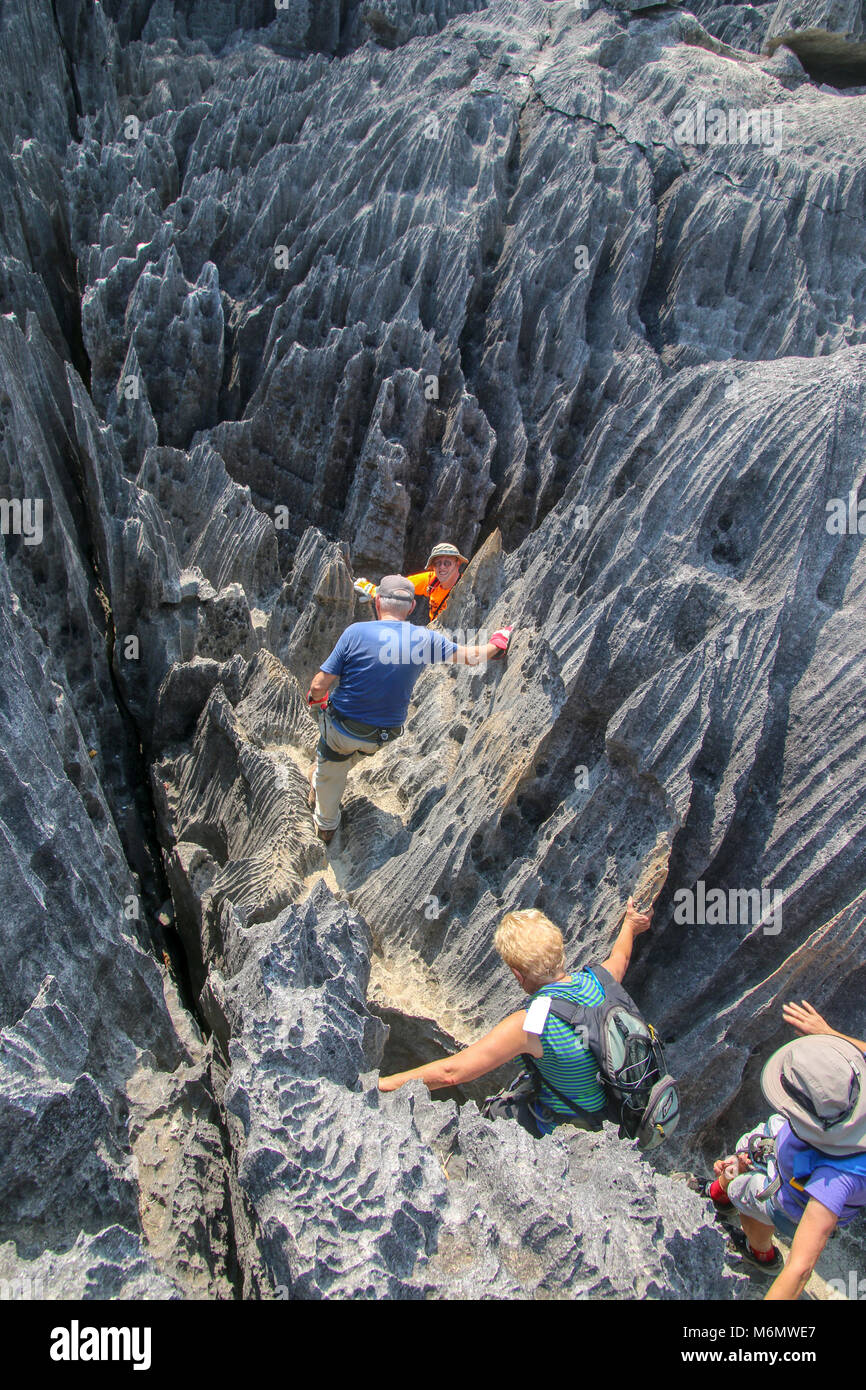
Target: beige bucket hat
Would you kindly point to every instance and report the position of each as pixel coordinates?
(819, 1084)
(439, 552)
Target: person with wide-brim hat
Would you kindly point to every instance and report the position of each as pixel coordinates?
(432, 585)
(802, 1172)
(819, 1085)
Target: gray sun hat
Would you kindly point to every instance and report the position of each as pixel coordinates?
(819, 1084)
(396, 586)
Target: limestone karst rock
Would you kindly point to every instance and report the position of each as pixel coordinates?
(302, 1045)
(290, 293)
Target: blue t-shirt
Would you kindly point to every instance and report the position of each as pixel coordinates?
(378, 664)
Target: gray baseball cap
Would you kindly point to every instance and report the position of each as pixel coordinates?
(396, 586)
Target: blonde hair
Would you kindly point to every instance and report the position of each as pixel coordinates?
(530, 942)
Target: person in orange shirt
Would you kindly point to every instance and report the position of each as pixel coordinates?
(433, 585)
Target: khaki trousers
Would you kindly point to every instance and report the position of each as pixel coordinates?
(329, 779)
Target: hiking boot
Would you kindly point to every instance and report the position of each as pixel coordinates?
(724, 1211)
(326, 836)
(738, 1245)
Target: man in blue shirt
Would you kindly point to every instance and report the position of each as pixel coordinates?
(376, 665)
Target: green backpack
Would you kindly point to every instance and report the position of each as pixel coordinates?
(641, 1096)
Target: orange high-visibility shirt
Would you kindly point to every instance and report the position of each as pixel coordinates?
(428, 585)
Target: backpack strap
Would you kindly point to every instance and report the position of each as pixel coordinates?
(604, 977)
(571, 1013)
(761, 1152)
(566, 1009)
(584, 1017)
(807, 1160)
(593, 1120)
(761, 1148)
(614, 991)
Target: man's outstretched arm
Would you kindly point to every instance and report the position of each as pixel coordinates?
(807, 1020)
(474, 656)
(620, 955)
(502, 1044)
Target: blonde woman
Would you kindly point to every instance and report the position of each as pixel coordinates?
(533, 949)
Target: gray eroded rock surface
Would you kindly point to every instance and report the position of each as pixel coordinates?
(443, 1206)
(288, 295)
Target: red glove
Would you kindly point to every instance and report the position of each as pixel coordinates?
(319, 704)
(501, 640)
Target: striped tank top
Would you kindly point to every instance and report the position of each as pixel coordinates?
(570, 1066)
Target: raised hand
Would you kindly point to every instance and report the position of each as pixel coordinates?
(804, 1018)
(638, 921)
